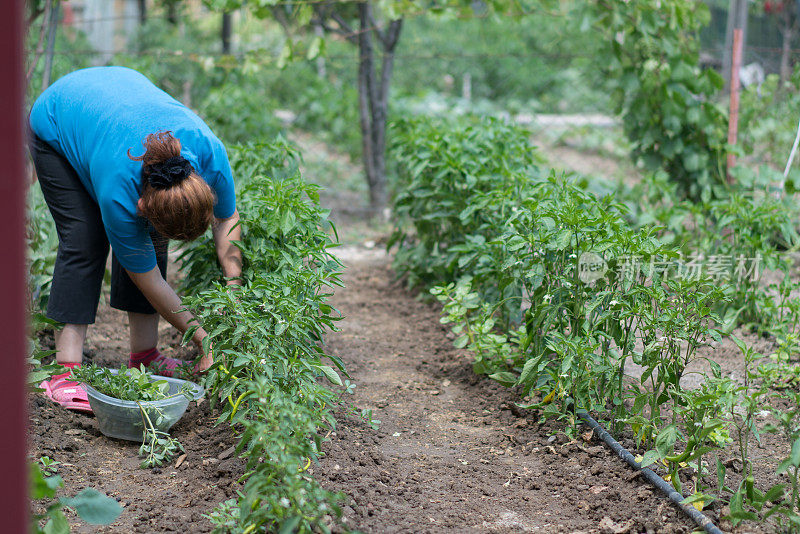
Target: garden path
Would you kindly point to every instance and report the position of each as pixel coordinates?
(453, 453)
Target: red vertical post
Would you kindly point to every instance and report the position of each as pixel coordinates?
(14, 502)
(733, 118)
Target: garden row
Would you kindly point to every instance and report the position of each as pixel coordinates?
(268, 379)
(555, 290)
(267, 343)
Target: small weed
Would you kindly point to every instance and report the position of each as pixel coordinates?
(48, 466)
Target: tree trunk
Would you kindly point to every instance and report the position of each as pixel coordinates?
(226, 32)
(373, 100)
(52, 28)
(142, 11)
(366, 100)
(381, 111)
(172, 13)
(787, 31)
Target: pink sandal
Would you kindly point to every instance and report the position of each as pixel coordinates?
(68, 394)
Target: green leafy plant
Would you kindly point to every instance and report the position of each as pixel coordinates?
(743, 236)
(225, 517)
(157, 447)
(269, 377)
(787, 424)
(42, 244)
(126, 384)
(449, 206)
(676, 318)
(39, 367)
(91, 505)
(701, 428)
(666, 100)
(48, 466)
(474, 325)
(234, 111)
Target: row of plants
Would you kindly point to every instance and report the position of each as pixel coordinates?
(558, 292)
(268, 379)
(270, 372)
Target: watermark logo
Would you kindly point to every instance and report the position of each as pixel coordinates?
(718, 267)
(591, 267)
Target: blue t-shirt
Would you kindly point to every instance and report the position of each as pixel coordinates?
(94, 116)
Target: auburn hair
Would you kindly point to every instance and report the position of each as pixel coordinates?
(183, 211)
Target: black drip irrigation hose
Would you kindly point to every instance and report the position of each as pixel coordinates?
(698, 517)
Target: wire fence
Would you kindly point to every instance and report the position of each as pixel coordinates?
(768, 55)
(454, 65)
(256, 56)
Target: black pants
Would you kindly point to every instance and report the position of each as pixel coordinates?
(83, 246)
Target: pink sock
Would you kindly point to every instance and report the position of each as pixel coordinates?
(144, 357)
(68, 365)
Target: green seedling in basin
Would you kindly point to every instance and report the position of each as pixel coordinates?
(126, 384)
(137, 385)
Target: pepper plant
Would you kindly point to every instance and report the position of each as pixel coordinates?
(271, 379)
(455, 187)
(667, 102)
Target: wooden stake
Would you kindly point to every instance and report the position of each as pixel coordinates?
(52, 27)
(733, 123)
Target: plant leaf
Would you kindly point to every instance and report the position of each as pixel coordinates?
(94, 506)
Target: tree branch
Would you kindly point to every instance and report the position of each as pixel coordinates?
(323, 13)
(392, 35)
(32, 18)
(373, 24)
(342, 23)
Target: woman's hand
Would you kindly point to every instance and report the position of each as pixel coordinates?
(205, 362)
(169, 306)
